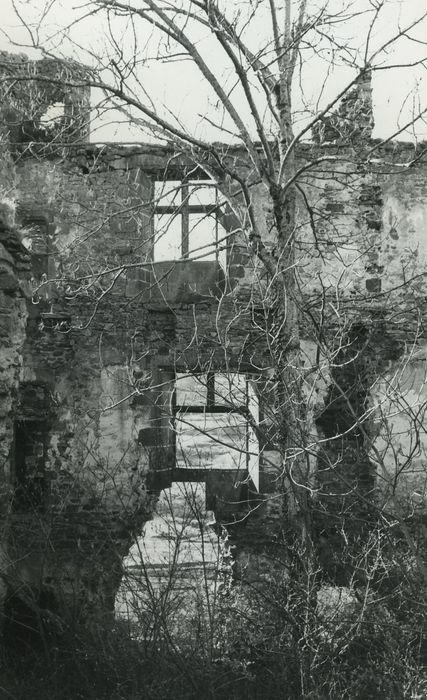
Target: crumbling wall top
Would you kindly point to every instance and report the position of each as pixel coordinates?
(44, 100)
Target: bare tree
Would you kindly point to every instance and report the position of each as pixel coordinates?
(293, 158)
(256, 108)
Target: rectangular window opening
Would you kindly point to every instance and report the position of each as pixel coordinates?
(214, 419)
(186, 222)
(29, 464)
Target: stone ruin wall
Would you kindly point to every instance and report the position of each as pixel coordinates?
(373, 249)
(66, 367)
(377, 261)
(365, 267)
(14, 290)
(95, 471)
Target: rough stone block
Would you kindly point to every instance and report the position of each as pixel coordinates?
(373, 285)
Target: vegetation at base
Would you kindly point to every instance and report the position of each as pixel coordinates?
(363, 642)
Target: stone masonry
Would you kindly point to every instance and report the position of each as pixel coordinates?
(89, 356)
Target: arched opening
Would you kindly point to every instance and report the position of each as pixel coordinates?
(174, 569)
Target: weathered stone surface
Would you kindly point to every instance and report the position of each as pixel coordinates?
(12, 331)
(87, 367)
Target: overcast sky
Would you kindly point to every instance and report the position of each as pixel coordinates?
(178, 90)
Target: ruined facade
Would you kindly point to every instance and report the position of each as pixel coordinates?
(101, 319)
